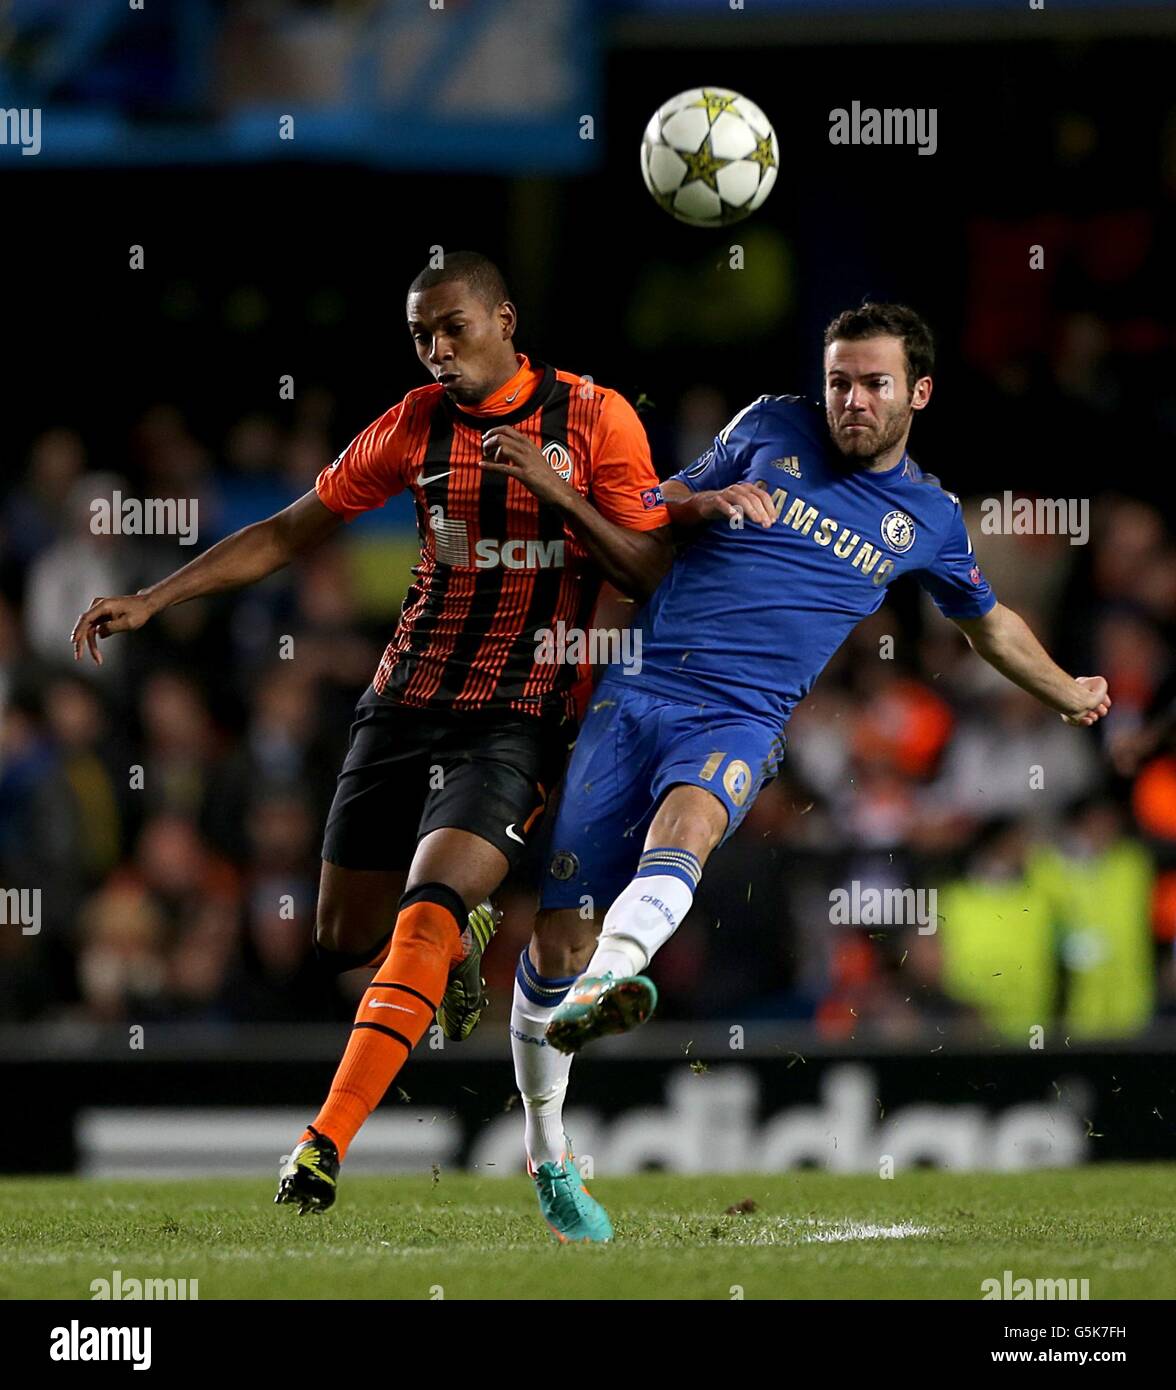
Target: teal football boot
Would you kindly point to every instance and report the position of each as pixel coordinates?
(597, 1005)
(573, 1215)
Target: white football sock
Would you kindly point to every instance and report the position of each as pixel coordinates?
(647, 912)
(541, 1072)
(617, 955)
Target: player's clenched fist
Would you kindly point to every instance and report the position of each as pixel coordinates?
(1095, 688)
(747, 500)
(107, 615)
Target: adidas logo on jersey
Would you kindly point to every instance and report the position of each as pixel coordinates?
(790, 465)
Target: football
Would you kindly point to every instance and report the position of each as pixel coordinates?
(709, 156)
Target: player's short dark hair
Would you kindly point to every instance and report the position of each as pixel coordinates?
(871, 320)
(471, 268)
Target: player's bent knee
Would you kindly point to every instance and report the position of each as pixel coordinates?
(689, 818)
(329, 931)
(466, 864)
(343, 925)
(337, 950)
(346, 929)
(430, 921)
(356, 910)
(562, 943)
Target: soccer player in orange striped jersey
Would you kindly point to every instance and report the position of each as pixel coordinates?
(531, 485)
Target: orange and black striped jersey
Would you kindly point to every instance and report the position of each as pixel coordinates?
(497, 567)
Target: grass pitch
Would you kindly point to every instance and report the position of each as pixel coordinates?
(921, 1235)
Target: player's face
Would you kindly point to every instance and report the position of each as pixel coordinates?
(867, 401)
(462, 342)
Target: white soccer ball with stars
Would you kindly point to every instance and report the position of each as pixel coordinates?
(709, 156)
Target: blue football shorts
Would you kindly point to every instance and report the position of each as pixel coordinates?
(633, 747)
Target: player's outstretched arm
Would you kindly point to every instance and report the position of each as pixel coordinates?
(1004, 640)
(689, 509)
(242, 558)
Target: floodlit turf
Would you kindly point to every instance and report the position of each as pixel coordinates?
(811, 1235)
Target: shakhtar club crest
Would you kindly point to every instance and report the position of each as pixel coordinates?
(560, 459)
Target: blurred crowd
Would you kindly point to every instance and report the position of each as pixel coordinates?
(169, 804)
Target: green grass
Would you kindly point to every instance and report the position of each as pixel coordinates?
(482, 1238)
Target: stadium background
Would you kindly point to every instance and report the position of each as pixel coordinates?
(165, 978)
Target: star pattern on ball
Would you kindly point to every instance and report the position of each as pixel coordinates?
(702, 166)
(762, 154)
(714, 104)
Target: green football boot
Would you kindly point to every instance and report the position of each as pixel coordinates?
(597, 1005)
(464, 998)
(573, 1215)
(309, 1176)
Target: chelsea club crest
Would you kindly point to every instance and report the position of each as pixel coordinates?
(564, 865)
(898, 531)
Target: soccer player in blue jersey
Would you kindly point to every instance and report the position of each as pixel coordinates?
(802, 519)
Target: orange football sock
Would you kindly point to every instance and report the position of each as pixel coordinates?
(396, 1008)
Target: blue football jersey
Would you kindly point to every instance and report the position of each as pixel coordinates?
(747, 617)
